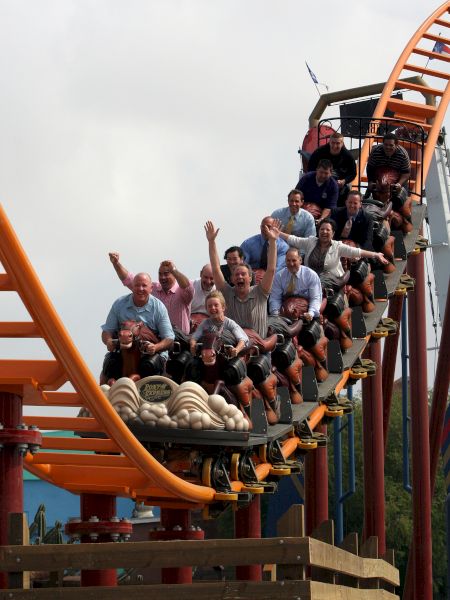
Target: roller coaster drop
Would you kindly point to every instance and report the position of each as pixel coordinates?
(182, 470)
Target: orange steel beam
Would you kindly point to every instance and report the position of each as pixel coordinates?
(80, 444)
(18, 329)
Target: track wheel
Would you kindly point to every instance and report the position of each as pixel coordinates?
(234, 466)
(207, 472)
(262, 452)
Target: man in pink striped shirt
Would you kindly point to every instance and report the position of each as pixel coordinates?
(173, 289)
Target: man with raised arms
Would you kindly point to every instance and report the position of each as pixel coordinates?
(174, 290)
(246, 304)
(140, 305)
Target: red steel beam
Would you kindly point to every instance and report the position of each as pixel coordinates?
(421, 548)
(11, 470)
(437, 417)
(316, 486)
(374, 504)
(104, 508)
(389, 359)
(247, 524)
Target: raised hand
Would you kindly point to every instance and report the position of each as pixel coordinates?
(211, 231)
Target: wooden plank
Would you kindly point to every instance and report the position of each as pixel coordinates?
(369, 549)
(389, 557)
(282, 550)
(18, 534)
(239, 590)
(227, 590)
(350, 544)
(51, 557)
(325, 591)
(291, 524)
(338, 560)
(325, 533)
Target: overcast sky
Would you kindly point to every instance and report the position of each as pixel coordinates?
(125, 125)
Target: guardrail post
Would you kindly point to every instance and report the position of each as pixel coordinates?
(11, 468)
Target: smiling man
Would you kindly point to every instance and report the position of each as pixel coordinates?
(294, 219)
(319, 189)
(140, 305)
(391, 159)
(353, 222)
(296, 280)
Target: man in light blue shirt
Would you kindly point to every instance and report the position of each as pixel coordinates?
(296, 280)
(294, 219)
(255, 248)
(138, 306)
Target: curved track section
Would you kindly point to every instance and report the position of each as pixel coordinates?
(429, 101)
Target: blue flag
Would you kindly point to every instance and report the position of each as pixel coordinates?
(313, 77)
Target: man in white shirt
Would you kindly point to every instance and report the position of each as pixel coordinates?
(296, 280)
(202, 287)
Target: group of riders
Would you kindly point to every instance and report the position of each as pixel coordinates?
(248, 326)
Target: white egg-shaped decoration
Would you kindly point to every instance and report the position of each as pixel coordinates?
(164, 421)
(216, 402)
(206, 421)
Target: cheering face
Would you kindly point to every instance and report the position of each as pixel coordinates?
(241, 278)
(141, 289)
(166, 278)
(233, 259)
(325, 233)
(322, 175)
(207, 279)
(389, 147)
(336, 145)
(293, 261)
(215, 309)
(353, 204)
(295, 202)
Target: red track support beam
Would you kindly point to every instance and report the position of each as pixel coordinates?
(440, 395)
(176, 525)
(389, 361)
(316, 486)
(374, 506)
(247, 524)
(437, 417)
(104, 508)
(420, 440)
(11, 470)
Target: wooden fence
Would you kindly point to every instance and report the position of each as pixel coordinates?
(333, 573)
